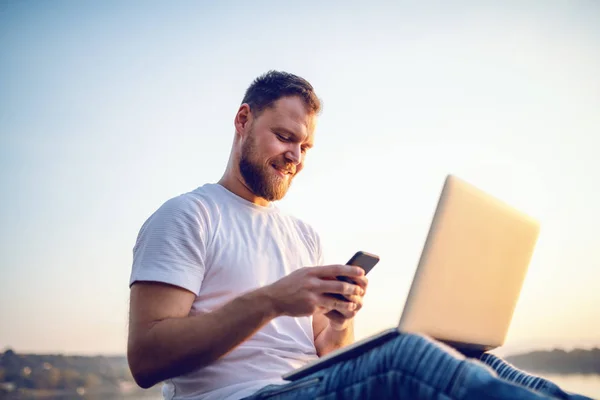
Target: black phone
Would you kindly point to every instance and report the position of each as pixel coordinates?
(361, 259)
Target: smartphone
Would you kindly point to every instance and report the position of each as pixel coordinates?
(361, 259)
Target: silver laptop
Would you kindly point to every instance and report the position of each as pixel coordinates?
(468, 280)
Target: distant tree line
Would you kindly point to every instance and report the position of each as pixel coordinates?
(59, 372)
(576, 361)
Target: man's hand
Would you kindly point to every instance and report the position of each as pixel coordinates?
(339, 319)
(308, 290)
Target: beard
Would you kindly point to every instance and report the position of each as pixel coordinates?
(260, 179)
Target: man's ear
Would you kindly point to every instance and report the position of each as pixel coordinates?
(243, 120)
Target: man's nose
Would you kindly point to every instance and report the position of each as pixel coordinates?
(294, 154)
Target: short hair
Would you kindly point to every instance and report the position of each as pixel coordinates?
(273, 85)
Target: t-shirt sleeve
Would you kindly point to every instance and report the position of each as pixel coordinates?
(171, 246)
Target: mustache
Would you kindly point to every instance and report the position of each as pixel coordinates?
(285, 167)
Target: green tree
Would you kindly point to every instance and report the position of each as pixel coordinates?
(70, 379)
(53, 378)
(46, 378)
(92, 381)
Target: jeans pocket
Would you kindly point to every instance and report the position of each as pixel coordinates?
(290, 388)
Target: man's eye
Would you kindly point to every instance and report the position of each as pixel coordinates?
(283, 138)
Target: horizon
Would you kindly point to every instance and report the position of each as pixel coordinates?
(109, 109)
(124, 355)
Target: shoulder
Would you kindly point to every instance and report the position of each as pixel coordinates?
(193, 211)
(198, 202)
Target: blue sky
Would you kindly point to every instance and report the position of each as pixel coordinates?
(108, 109)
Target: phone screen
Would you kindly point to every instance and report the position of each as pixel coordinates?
(364, 260)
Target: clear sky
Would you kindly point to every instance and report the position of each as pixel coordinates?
(108, 109)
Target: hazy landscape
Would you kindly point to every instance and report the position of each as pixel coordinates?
(102, 377)
(109, 109)
(49, 376)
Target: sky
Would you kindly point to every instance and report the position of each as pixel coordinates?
(108, 109)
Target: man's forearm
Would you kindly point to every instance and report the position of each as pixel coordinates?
(330, 339)
(176, 346)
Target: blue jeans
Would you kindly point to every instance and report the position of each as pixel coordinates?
(416, 367)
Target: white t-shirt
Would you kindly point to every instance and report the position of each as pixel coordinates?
(218, 246)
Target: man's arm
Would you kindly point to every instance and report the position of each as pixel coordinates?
(328, 339)
(164, 341)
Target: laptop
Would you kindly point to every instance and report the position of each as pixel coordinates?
(468, 280)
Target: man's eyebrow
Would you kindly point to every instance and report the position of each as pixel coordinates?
(284, 130)
(281, 129)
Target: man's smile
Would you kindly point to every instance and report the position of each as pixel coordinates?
(282, 171)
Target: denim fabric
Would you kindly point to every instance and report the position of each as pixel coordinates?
(415, 367)
(510, 373)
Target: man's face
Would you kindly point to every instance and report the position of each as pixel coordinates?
(275, 146)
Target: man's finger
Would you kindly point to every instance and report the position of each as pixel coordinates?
(358, 300)
(344, 288)
(345, 313)
(361, 281)
(333, 303)
(329, 271)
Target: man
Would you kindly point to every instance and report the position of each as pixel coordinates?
(228, 293)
